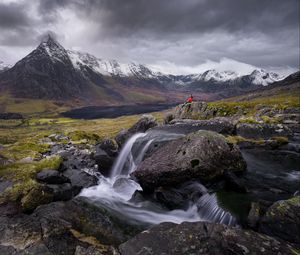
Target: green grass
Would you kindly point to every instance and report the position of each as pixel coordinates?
(232, 106)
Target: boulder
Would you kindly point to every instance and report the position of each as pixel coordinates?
(282, 220)
(202, 238)
(202, 155)
(264, 131)
(105, 155)
(51, 177)
(194, 110)
(80, 178)
(220, 125)
(144, 123)
(109, 146)
(63, 192)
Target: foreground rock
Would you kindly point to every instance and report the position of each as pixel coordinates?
(73, 227)
(263, 131)
(202, 155)
(202, 238)
(145, 123)
(282, 220)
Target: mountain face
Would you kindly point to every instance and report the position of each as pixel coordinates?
(3, 66)
(52, 72)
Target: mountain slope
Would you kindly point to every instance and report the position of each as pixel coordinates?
(53, 73)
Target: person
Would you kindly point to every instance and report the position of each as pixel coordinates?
(190, 99)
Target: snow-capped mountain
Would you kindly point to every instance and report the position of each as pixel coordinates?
(52, 72)
(261, 77)
(114, 68)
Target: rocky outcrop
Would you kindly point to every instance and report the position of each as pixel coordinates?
(220, 125)
(264, 131)
(202, 155)
(195, 110)
(282, 220)
(202, 238)
(145, 123)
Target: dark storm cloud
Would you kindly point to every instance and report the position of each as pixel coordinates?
(164, 17)
(185, 32)
(13, 16)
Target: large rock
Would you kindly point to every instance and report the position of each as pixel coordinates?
(51, 177)
(202, 238)
(282, 220)
(105, 155)
(145, 123)
(264, 131)
(195, 110)
(202, 155)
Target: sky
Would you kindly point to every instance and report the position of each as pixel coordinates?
(174, 36)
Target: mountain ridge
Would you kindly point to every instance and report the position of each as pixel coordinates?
(53, 72)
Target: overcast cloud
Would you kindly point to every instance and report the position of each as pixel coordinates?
(174, 35)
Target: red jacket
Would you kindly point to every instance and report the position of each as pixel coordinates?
(189, 100)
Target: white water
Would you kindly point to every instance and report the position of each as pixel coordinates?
(115, 192)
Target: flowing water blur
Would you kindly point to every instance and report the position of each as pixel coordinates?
(115, 192)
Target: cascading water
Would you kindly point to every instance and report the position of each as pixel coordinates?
(115, 193)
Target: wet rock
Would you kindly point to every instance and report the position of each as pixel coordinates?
(202, 238)
(282, 220)
(109, 146)
(80, 178)
(104, 161)
(64, 192)
(50, 176)
(264, 131)
(145, 123)
(253, 216)
(85, 217)
(180, 197)
(232, 182)
(202, 155)
(122, 137)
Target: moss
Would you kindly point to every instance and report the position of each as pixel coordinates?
(280, 140)
(249, 120)
(38, 195)
(25, 149)
(23, 172)
(269, 120)
(295, 201)
(295, 252)
(83, 135)
(239, 139)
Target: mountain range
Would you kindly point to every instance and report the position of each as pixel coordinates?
(52, 72)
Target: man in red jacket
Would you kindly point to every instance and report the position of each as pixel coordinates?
(190, 99)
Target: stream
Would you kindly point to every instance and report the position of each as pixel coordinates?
(270, 176)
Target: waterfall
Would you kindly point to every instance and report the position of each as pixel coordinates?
(115, 193)
(125, 156)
